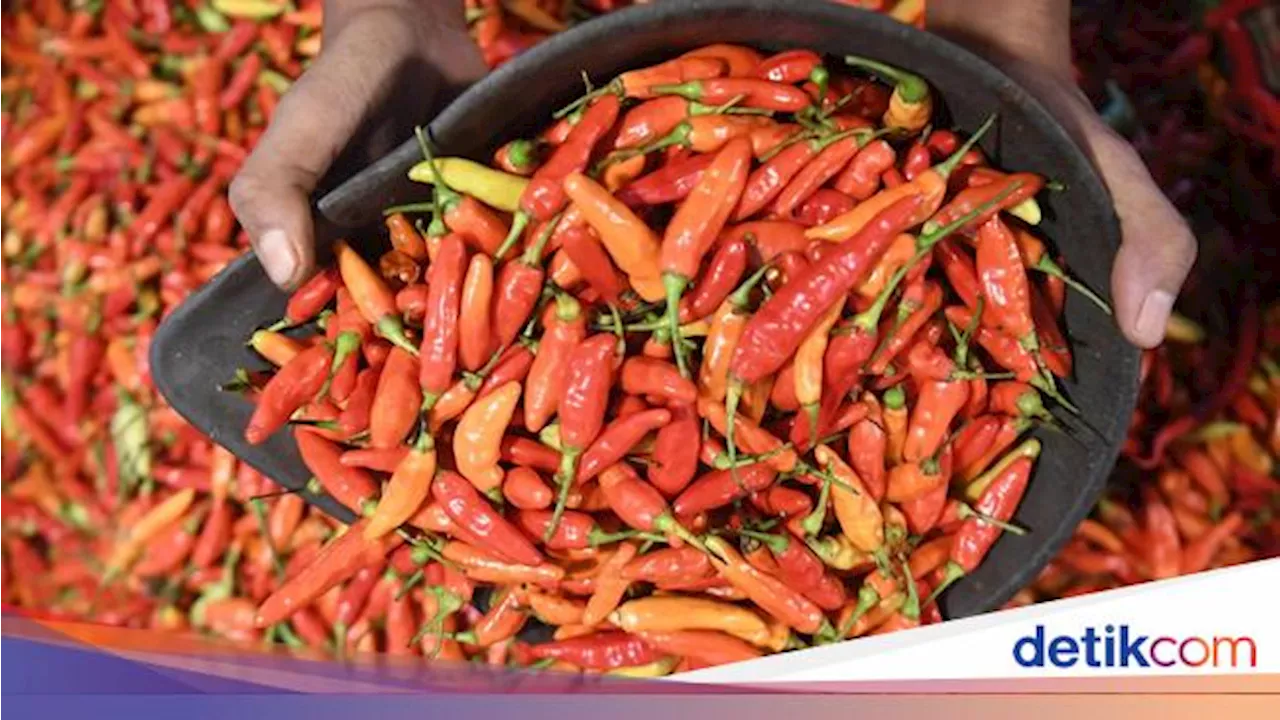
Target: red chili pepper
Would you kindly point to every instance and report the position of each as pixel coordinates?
(512, 366)
(749, 92)
(670, 183)
(215, 535)
(439, 351)
(351, 486)
(617, 439)
(372, 459)
(1004, 282)
(529, 453)
(639, 83)
(868, 444)
(584, 249)
(296, 384)
(607, 650)
(976, 536)
(337, 561)
(937, 405)
(1004, 350)
(696, 225)
(648, 377)
(774, 332)
(822, 206)
(472, 511)
(396, 402)
(242, 81)
(308, 300)
(837, 152)
(355, 417)
(861, 178)
(675, 452)
(583, 403)
(917, 160)
(544, 196)
(526, 490)
(723, 273)
(1015, 188)
(164, 201)
(788, 66)
(718, 488)
(84, 356)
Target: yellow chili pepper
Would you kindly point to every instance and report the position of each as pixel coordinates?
(1028, 211)
(251, 9)
(1181, 329)
(479, 432)
(657, 668)
(1249, 453)
(491, 187)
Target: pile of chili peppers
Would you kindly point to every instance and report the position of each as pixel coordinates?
(505, 28)
(122, 123)
(1201, 490)
(737, 355)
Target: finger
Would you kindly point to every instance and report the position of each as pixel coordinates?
(313, 123)
(1157, 247)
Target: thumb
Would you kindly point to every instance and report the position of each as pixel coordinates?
(1157, 248)
(313, 123)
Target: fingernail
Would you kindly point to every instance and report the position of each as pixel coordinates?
(276, 254)
(1154, 315)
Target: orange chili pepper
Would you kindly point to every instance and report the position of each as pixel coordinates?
(610, 586)
(372, 296)
(477, 438)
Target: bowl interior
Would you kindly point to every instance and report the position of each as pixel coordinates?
(202, 343)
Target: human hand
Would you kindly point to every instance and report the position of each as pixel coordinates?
(384, 68)
(1030, 41)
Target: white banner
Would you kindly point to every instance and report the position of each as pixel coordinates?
(1219, 622)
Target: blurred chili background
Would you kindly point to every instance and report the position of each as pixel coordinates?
(124, 120)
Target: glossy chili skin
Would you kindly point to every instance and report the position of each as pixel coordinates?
(668, 184)
(655, 378)
(633, 500)
(1004, 280)
(675, 452)
(606, 650)
(350, 486)
(699, 220)
(564, 327)
(669, 565)
(544, 196)
(529, 453)
(586, 392)
(618, 438)
(777, 328)
(289, 389)
(975, 537)
(718, 488)
(937, 405)
(473, 512)
(724, 271)
(438, 354)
